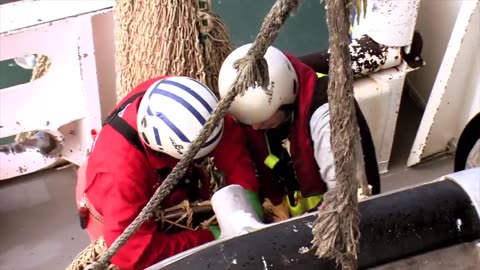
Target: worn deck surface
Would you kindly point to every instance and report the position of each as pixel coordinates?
(39, 227)
(460, 257)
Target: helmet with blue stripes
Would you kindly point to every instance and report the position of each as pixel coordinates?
(172, 114)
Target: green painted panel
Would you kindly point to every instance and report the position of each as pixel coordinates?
(304, 32)
(11, 75)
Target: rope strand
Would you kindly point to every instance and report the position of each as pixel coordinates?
(336, 229)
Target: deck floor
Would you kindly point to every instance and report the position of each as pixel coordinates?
(458, 257)
(39, 228)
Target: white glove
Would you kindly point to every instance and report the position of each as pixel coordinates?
(234, 213)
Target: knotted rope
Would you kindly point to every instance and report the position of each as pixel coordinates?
(336, 230)
(41, 67)
(175, 217)
(252, 70)
(89, 255)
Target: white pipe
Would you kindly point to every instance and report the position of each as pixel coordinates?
(389, 22)
(469, 180)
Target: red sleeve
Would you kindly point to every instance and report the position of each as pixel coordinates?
(127, 196)
(232, 158)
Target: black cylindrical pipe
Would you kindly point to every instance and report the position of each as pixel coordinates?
(393, 226)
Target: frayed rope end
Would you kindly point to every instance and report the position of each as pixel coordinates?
(335, 232)
(252, 72)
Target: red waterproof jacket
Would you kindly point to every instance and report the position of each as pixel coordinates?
(306, 168)
(312, 93)
(120, 180)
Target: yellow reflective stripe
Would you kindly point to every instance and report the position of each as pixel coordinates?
(303, 204)
(313, 201)
(271, 160)
(320, 75)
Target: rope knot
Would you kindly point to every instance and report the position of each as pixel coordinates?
(252, 72)
(205, 24)
(93, 266)
(205, 20)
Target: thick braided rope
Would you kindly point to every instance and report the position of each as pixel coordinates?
(246, 67)
(336, 230)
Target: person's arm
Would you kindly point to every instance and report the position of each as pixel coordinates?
(322, 149)
(128, 195)
(233, 159)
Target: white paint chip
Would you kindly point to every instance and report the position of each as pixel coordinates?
(303, 250)
(265, 266)
(459, 224)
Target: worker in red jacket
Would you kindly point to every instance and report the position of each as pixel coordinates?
(140, 143)
(295, 107)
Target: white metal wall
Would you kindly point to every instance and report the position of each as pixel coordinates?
(455, 96)
(65, 101)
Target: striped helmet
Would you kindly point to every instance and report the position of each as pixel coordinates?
(172, 114)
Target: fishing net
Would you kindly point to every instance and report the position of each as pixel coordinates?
(89, 255)
(174, 37)
(184, 216)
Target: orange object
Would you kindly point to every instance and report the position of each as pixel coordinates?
(88, 221)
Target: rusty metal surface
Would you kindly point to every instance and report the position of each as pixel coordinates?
(459, 257)
(42, 141)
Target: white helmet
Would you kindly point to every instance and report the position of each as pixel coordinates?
(256, 105)
(172, 114)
